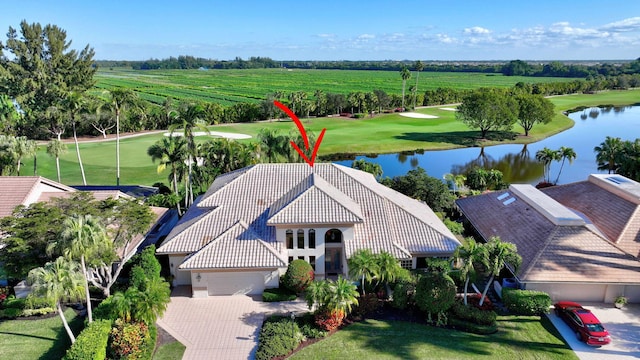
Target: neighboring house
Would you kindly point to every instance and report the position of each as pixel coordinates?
(578, 241)
(26, 190)
(239, 237)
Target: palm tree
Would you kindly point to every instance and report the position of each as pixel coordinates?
(406, 75)
(120, 99)
(342, 295)
(191, 117)
(82, 238)
(499, 253)
(316, 293)
(418, 66)
(272, 144)
(74, 103)
(56, 148)
(320, 101)
(151, 302)
(59, 281)
(362, 264)
(170, 150)
(388, 269)
(565, 153)
(607, 153)
(469, 253)
(546, 156)
(25, 148)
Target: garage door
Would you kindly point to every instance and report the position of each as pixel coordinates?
(229, 283)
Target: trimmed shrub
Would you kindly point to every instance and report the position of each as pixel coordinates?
(91, 344)
(11, 313)
(129, 340)
(308, 327)
(14, 303)
(526, 302)
(105, 310)
(367, 304)
(298, 276)
(403, 294)
(278, 294)
(435, 294)
(473, 314)
(278, 337)
(329, 320)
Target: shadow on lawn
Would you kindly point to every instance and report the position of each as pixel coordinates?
(461, 138)
(381, 338)
(62, 341)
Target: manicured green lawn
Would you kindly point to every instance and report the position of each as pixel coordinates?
(518, 337)
(37, 339)
(386, 133)
(170, 351)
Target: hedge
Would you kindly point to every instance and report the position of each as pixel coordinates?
(473, 314)
(298, 276)
(472, 327)
(278, 294)
(91, 343)
(526, 302)
(279, 337)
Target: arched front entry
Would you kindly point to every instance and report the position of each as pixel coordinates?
(333, 252)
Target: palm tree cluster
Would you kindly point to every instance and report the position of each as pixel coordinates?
(12, 150)
(546, 156)
(493, 255)
(620, 157)
(366, 266)
(333, 300)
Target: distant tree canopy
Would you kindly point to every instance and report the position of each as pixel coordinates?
(42, 71)
(418, 185)
(488, 109)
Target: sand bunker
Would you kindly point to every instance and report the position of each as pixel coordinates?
(418, 116)
(214, 133)
(448, 109)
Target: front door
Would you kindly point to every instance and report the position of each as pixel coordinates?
(333, 261)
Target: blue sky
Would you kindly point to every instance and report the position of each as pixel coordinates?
(343, 30)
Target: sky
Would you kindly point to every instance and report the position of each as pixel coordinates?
(341, 30)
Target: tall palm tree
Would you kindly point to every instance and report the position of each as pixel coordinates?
(273, 144)
(499, 254)
(56, 148)
(546, 156)
(191, 117)
(405, 74)
(73, 103)
(59, 281)
(467, 254)
(388, 269)
(418, 66)
(320, 101)
(362, 264)
(170, 150)
(82, 237)
(120, 99)
(607, 153)
(25, 148)
(565, 153)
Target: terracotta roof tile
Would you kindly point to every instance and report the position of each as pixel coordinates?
(25, 190)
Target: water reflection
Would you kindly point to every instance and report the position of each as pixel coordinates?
(518, 167)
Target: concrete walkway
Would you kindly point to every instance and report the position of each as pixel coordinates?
(220, 327)
(622, 324)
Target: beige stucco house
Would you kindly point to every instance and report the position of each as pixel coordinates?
(579, 241)
(239, 237)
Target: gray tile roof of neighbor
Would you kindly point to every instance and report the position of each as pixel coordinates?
(281, 194)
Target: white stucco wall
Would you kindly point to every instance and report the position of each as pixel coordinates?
(179, 277)
(606, 293)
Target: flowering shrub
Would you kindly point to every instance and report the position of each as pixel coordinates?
(128, 340)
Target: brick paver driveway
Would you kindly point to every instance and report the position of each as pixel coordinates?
(219, 327)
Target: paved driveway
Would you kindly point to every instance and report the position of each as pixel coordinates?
(219, 327)
(622, 324)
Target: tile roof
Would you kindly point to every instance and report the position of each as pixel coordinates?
(242, 248)
(25, 190)
(550, 253)
(616, 217)
(266, 194)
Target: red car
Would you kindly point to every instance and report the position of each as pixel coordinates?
(586, 325)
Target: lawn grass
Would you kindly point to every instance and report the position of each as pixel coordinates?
(37, 339)
(386, 133)
(518, 337)
(170, 351)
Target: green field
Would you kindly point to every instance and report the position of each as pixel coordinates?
(252, 85)
(384, 133)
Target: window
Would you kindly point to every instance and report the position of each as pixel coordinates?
(312, 239)
(289, 239)
(406, 263)
(300, 257)
(300, 239)
(333, 236)
(290, 259)
(312, 262)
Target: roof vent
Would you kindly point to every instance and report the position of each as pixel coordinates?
(505, 195)
(509, 201)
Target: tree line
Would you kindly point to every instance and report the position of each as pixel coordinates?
(572, 69)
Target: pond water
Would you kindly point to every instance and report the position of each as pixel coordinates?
(517, 162)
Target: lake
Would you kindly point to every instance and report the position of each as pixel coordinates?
(517, 162)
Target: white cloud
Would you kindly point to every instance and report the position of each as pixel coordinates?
(366, 36)
(630, 24)
(476, 30)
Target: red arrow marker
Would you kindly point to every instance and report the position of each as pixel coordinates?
(304, 135)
